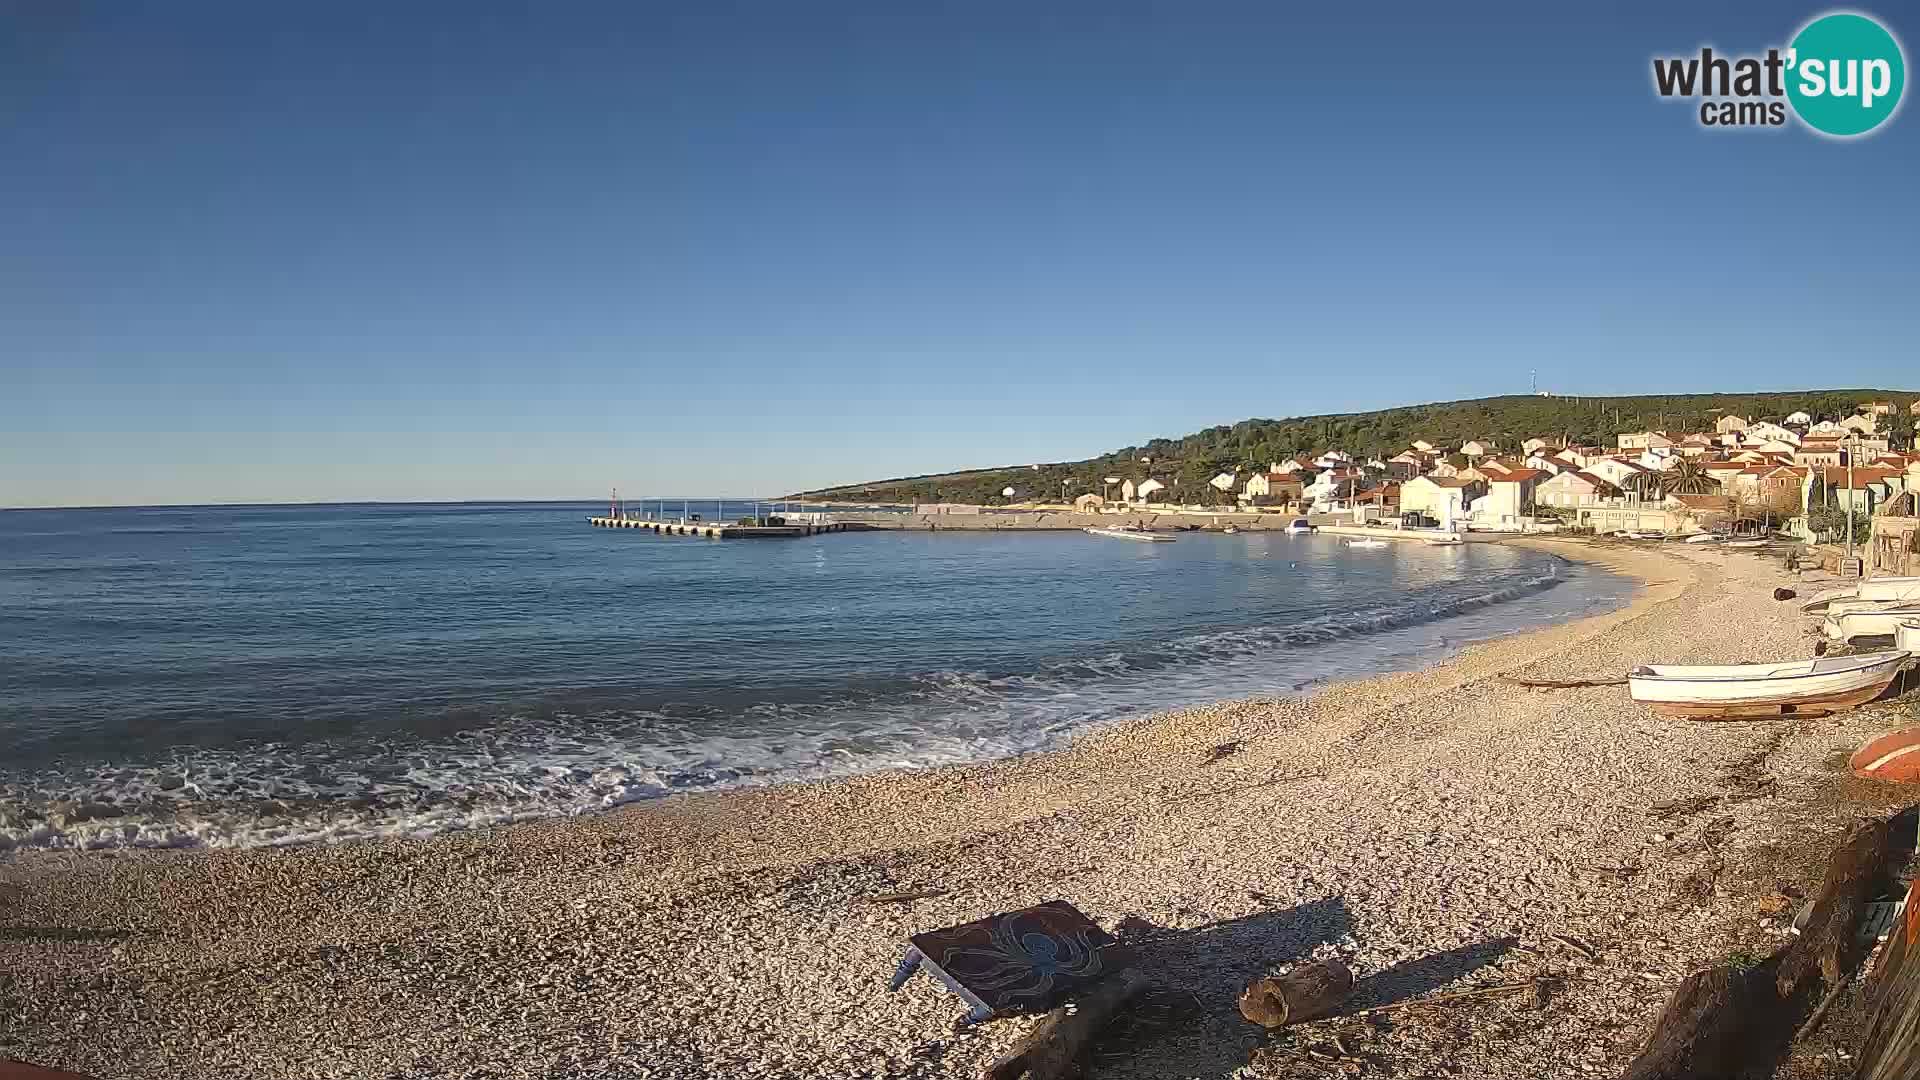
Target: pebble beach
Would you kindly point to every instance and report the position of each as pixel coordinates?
(1438, 831)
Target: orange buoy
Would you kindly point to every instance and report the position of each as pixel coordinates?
(1894, 757)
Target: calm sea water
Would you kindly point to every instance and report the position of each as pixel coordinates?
(283, 674)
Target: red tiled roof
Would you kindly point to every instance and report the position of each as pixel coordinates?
(1519, 476)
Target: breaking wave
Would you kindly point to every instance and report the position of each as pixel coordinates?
(523, 766)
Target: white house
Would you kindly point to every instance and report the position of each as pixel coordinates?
(1800, 418)
(1827, 429)
(1574, 488)
(1644, 440)
(1148, 488)
(1508, 501)
(1546, 463)
(1334, 487)
(1333, 459)
(1127, 491)
(1768, 431)
(1424, 446)
(1444, 468)
(1730, 422)
(1617, 471)
(1865, 425)
(1535, 445)
(1444, 497)
(1476, 448)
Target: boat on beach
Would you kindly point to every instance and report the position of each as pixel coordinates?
(1906, 637)
(1879, 590)
(1130, 532)
(1815, 687)
(1702, 538)
(1880, 622)
(1449, 540)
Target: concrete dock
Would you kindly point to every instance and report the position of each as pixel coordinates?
(718, 530)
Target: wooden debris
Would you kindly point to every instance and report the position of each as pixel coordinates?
(1829, 943)
(906, 896)
(1891, 1048)
(1565, 684)
(1681, 807)
(1732, 1021)
(1054, 1048)
(1307, 992)
(1577, 945)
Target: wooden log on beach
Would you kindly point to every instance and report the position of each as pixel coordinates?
(1725, 1021)
(1891, 1048)
(1053, 1050)
(1305, 993)
(1829, 944)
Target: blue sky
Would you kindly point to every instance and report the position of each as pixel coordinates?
(448, 251)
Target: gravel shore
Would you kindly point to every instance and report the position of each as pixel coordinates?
(1439, 830)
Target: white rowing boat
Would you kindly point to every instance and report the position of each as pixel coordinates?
(1449, 540)
(1130, 532)
(1703, 538)
(1816, 687)
(1367, 543)
(1882, 622)
(1883, 590)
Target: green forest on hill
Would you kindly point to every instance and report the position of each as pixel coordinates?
(1185, 464)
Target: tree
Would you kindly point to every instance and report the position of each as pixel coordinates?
(1646, 485)
(1688, 477)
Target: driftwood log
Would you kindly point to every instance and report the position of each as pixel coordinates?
(1054, 1048)
(1891, 1048)
(1727, 1021)
(1307, 992)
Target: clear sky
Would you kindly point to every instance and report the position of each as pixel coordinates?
(357, 250)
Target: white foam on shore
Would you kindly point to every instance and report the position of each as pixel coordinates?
(523, 769)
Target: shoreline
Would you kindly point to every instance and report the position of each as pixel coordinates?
(1434, 828)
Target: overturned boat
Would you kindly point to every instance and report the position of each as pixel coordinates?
(1815, 687)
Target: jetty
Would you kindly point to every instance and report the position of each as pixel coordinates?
(718, 530)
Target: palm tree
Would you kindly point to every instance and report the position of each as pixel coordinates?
(1646, 485)
(1688, 477)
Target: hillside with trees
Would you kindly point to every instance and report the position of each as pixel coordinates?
(1185, 464)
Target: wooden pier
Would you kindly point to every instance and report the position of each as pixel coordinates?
(720, 530)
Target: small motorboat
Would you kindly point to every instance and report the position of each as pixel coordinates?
(1366, 543)
(1884, 590)
(1231, 530)
(1817, 687)
(1130, 532)
(1882, 622)
(1703, 538)
(1299, 525)
(1448, 540)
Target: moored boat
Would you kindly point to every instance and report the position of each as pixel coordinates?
(1815, 687)
(1299, 525)
(1130, 532)
(1366, 543)
(1449, 540)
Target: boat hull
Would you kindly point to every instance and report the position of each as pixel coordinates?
(1893, 758)
(1770, 691)
(1858, 624)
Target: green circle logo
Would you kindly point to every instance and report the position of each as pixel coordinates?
(1845, 73)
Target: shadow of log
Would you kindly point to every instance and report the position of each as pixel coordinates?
(1215, 961)
(1410, 979)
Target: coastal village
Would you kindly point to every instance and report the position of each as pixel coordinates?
(1794, 475)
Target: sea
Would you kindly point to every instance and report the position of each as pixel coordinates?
(269, 675)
